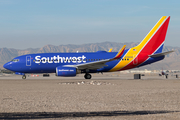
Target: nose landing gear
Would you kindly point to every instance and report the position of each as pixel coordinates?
(24, 77)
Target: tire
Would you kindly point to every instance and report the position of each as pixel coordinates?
(24, 77)
(87, 76)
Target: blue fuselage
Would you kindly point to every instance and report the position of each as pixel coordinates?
(47, 62)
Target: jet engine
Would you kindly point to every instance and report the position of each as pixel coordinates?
(66, 71)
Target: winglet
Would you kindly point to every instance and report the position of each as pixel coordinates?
(120, 53)
(110, 50)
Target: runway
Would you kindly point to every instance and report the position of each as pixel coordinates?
(103, 97)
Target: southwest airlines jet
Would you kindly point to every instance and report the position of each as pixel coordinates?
(71, 64)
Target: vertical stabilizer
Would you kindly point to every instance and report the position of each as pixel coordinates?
(154, 40)
(152, 44)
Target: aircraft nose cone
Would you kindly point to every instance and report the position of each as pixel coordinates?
(7, 66)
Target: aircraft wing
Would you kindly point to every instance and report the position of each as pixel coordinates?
(161, 54)
(98, 64)
(93, 65)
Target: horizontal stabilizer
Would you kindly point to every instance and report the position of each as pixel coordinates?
(161, 54)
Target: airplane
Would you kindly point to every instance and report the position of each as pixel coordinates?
(163, 73)
(71, 64)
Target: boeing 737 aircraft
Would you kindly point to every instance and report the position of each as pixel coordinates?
(71, 64)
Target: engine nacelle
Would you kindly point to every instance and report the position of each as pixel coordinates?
(66, 71)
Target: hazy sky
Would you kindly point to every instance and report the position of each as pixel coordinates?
(35, 23)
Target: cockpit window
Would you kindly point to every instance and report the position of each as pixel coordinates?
(15, 60)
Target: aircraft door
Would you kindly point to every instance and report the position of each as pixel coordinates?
(28, 60)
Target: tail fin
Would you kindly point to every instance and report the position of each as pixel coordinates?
(151, 46)
(154, 40)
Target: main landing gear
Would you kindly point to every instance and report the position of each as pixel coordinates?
(87, 76)
(24, 77)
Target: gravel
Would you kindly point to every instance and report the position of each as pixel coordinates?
(101, 98)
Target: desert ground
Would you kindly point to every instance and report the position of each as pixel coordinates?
(104, 97)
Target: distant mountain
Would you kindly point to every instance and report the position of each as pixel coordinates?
(170, 62)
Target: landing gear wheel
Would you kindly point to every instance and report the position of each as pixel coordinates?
(87, 76)
(24, 77)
